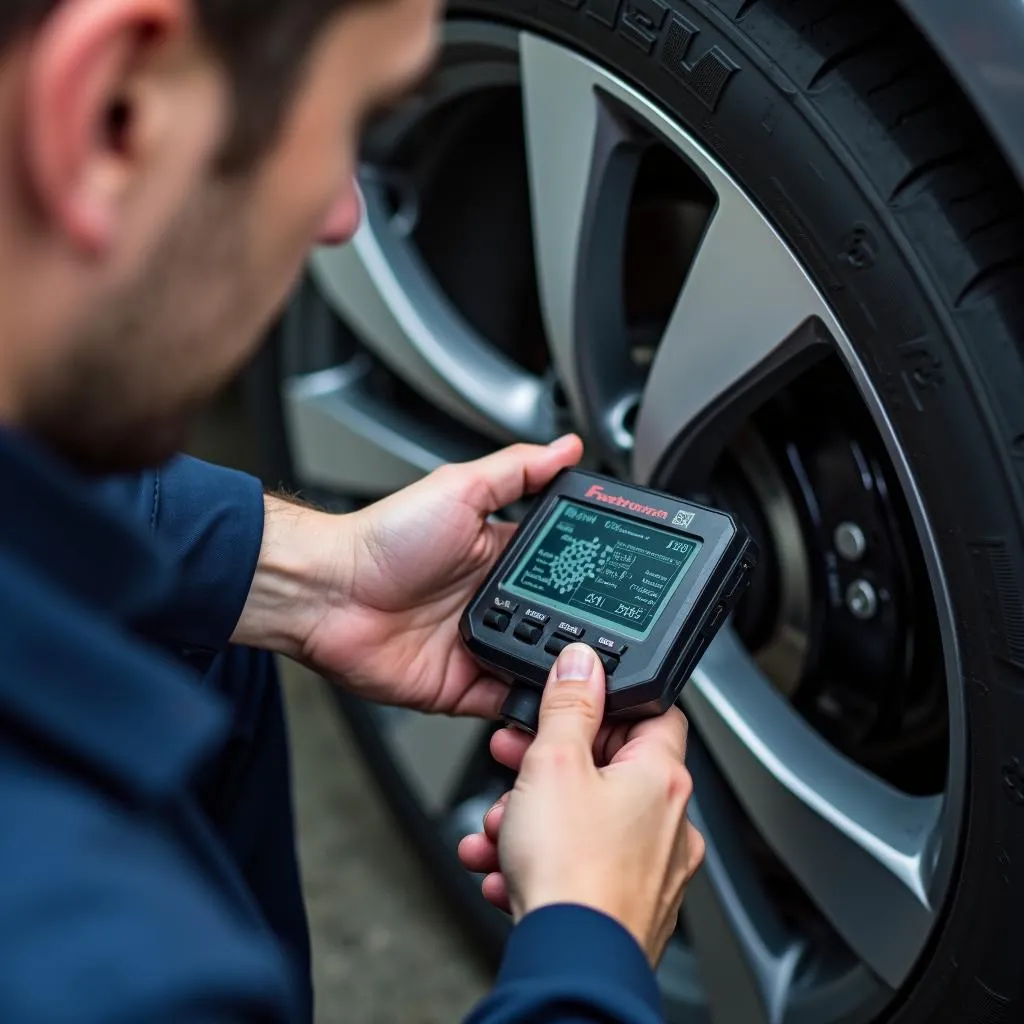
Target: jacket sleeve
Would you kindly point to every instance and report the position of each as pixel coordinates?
(571, 965)
(108, 917)
(209, 520)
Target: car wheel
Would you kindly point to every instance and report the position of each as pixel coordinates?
(760, 252)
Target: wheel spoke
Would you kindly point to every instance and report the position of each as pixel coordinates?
(380, 288)
(747, 958)
(434, 751)
(737, 321)
(582, 158)
(560, 111)
(346, 441)
(861, 850)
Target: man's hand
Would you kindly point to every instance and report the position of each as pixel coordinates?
(597, 816)
(373, 599)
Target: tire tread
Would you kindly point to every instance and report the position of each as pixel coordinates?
(923, 173)
(949, 160)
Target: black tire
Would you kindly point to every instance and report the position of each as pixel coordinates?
(856, 143)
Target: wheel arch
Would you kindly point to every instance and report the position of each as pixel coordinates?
(980, 44)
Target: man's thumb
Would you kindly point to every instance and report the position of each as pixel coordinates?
(572, 706)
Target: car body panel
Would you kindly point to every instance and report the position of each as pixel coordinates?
(982, 44)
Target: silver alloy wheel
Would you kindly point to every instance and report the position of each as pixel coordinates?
(875, 861)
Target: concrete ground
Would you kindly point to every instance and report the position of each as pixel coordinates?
(385, 950)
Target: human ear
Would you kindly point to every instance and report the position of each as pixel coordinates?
(87, 120)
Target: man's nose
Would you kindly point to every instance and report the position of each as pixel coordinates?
(344, 216)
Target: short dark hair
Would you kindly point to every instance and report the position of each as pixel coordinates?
(263, 45)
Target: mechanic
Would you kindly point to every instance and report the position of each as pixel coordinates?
(166, 166)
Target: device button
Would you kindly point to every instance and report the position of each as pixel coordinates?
(506, 605)
(570, 629)
(556, 645)
(496, 620)
(527, 632)
(610, 662)
(610, 645)
(541, 618)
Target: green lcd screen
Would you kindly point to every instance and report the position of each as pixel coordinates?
(603, 567)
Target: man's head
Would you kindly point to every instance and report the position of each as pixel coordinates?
(165, 167)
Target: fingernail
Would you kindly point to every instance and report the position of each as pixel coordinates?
(500, 802)
(575, 662)
(560, 442)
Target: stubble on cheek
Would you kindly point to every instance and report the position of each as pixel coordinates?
(138, 371)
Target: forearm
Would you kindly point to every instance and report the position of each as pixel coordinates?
(291, 586)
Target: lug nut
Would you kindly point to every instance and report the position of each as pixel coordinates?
(850, 541)
(861, 599)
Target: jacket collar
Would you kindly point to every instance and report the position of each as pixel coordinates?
(74, 577)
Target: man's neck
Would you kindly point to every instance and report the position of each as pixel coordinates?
(11, 408)
(32, 318)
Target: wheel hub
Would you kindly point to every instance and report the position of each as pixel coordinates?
(841, 621)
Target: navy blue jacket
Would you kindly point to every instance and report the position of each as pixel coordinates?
(117, 903)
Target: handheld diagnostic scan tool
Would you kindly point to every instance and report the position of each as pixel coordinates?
(644, 578)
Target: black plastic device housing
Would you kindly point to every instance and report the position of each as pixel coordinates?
(644, 677)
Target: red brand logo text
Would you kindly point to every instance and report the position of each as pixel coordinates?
(597, 492)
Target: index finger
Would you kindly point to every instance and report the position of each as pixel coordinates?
(666, 733)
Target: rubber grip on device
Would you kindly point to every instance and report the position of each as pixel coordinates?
(521, 709)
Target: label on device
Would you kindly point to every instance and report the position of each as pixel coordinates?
(609, 567)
